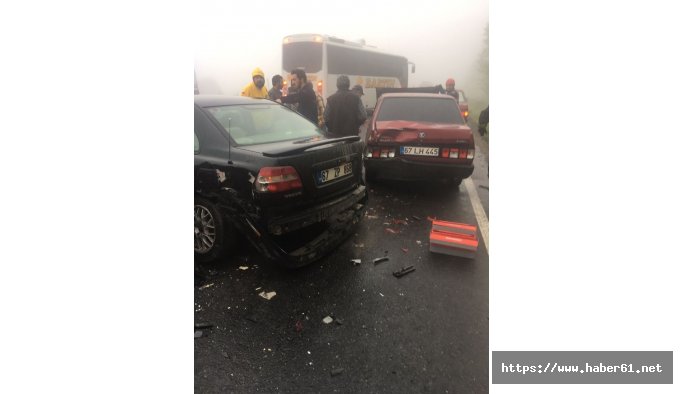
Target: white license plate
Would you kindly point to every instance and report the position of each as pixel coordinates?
(333, 173)
(420, 150)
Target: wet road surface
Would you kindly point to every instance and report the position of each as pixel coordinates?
(424, 332)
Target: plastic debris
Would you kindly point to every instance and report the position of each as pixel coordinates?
(267, 295)
(380, 259)
(338, 321)
(381, 294)
(404, 271)
(418, 242)
(359, 245)
(337, 371)
(417, 217)
(327, 320)
(257, 289)
(206, 286)
(198, 334)
(203, 325)
(391, 230)
(298, 326)
(243, 268)
(405, 250)
(355, 261)
(400, 221)
(372, 216)
(431, 218)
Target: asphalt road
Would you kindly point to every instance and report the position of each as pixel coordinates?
(424, 332)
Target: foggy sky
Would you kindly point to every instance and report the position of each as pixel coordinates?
(443, 38)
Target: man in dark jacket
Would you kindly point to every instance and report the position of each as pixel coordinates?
(344, 113)
(304, 96)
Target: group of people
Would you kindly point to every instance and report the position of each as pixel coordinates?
(342, 116)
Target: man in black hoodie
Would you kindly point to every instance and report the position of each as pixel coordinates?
(304, 96)
(344, 113)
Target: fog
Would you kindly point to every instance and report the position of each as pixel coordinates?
(443, 38)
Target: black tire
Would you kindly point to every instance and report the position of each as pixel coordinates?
(214, 238)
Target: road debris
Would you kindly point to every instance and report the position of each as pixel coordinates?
(399, 221)
(404, 271)
(198, 334)
(338, 321)
(355, 261)
(417, 217)
(372, 216)
(405, 250)
(203, 325)
(358, 245)
(267, 295)
(381, 294)
(243, 267)
(431, 218)
(206, 286)
(252, 318)
(380, 259)
(337, 371)
(258, 288)
(418, 242)
(327, 320)
(391, 230)
(298, 326)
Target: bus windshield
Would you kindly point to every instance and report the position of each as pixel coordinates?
(305, 55)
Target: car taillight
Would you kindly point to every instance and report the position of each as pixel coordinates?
(470, 153)
(277, 179)
(381, 152)
(454, 153)
(465, 114)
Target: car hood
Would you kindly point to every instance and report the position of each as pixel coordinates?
(405, 131)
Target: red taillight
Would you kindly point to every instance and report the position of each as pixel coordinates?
(463, 154)
(277, 179)
(375, 153)
(444, 152)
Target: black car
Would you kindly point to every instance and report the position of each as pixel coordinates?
(264, 171)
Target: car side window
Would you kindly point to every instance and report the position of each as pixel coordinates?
(196, 143)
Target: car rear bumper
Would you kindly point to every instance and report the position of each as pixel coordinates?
(399, 168)
(339, 215)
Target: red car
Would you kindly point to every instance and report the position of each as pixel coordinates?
(415, 136)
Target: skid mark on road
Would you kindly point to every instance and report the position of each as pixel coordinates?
(479, 212)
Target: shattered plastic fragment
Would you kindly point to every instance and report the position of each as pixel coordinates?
(418, 242)
(381, 294)
(405, 250)
(359, 245)
(431, 218)
(299, 326)
(203, 325)
(355, 261)
(198, 334)
(206, 286)
(391, 230)
(371, 216)
(416, 217)
(404, 271)
(380, 259)
(268, 295)
(257, 289)
(327, 320)
(243, 268)
(400, 221)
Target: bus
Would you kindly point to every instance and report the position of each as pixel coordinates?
(324, 58)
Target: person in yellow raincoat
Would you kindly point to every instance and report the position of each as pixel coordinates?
(257, 87)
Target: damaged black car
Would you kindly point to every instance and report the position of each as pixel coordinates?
(264, 172)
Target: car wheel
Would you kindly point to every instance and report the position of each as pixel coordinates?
(213, 239)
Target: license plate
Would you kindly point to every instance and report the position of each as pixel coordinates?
(420, 150)
(333, 173)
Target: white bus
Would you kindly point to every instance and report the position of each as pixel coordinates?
(324, 58)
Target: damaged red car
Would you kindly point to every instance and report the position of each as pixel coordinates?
(418, 136)
(267, 173)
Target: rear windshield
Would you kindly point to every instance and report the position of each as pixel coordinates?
(262, 123)
(420, 109)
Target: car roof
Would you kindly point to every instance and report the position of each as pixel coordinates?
(428, 95)
(210, 100)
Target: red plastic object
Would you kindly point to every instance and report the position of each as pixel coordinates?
(455, 239)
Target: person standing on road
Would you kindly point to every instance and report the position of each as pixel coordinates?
(450, 89)
(275, 93)
(483, 121)
(257, 87)
(344, 113)
(358, 90)
(304, 96)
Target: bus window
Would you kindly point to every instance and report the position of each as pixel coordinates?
(304, 55)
